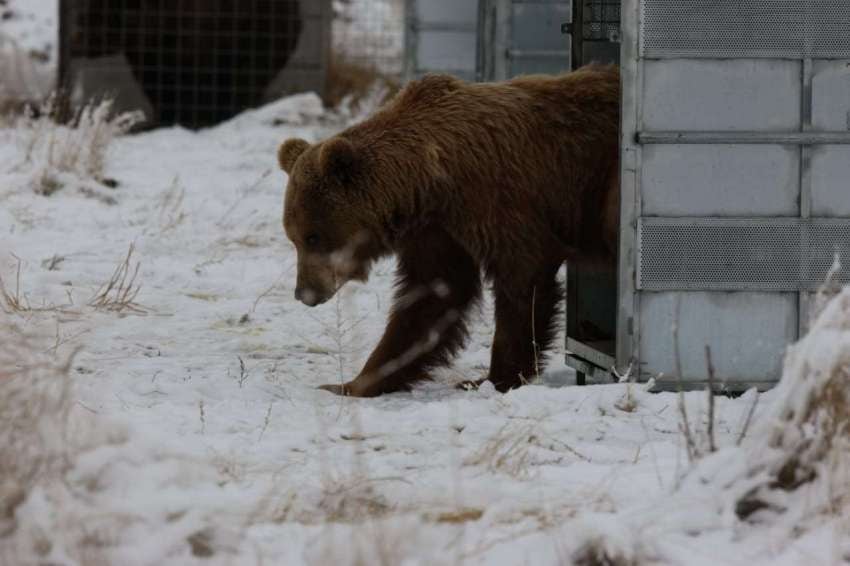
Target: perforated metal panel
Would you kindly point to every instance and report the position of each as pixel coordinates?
(822, 241)
(745, 28)
(776, 254)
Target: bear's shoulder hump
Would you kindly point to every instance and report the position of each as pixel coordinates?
(430, 86)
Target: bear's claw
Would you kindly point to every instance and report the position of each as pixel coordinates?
(471, 384)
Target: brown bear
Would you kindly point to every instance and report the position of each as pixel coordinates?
(510, 179)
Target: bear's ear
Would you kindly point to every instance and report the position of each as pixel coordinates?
(338, 157)
(289, 151)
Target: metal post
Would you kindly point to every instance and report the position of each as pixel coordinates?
(628, 325)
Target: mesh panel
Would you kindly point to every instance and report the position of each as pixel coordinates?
(198, 61)
(826, 240)
(601, 20)
(745, 28)
(737, 254)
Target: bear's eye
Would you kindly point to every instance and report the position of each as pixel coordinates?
(312, 240)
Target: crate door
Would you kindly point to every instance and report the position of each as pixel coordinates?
(596, 32)
(441, 37)
(520, 37)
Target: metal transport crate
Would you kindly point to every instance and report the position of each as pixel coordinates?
(735, 160)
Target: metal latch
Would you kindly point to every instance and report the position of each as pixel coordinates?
(567, 27)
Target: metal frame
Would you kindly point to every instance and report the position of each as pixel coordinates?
(803, 138)
(589, 362)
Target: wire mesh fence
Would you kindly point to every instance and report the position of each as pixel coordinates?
(193, 62)
(197, 62)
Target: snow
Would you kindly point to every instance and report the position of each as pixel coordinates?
(210, 431)
(28, 48)
(33, 24)
(371, 31)
(196, 433)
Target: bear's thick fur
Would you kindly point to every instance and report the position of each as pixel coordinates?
(510, 179)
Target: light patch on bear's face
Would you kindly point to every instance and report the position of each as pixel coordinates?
(321, 274)
(331, 247)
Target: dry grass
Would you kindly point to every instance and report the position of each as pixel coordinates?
(35, 401)
(17, 302)
(79, 147)
(171, 213)
(12, 108)
(818, 454)
(351, 82)
(44, 511)
(351, 500)
(516, 450)
(828, 413)
(830, 407)
(508, 451)
(22, 82)
(387, 542)
(806, 442)
(14, 302)
(119, 293)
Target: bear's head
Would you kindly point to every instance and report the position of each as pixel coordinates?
(325, 217)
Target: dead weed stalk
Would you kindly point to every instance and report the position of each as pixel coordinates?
(17, 302)
(14, 302)
(119, 293)
(508, 451)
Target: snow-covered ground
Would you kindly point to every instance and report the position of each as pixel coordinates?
(214, 445)
(28, 48)
(196, 435)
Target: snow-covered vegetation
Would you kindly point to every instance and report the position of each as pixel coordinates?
(56, 154)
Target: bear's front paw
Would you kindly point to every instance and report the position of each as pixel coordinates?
(336, 388)
(470, 385)
(350, 389)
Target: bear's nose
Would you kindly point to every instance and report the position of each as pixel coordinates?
(306, 296)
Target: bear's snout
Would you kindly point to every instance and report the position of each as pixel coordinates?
(308, 297)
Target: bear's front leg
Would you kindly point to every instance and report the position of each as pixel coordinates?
(437, 282)
(525, 316)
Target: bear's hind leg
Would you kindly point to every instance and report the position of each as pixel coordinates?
(438, 281)
(525, 326)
